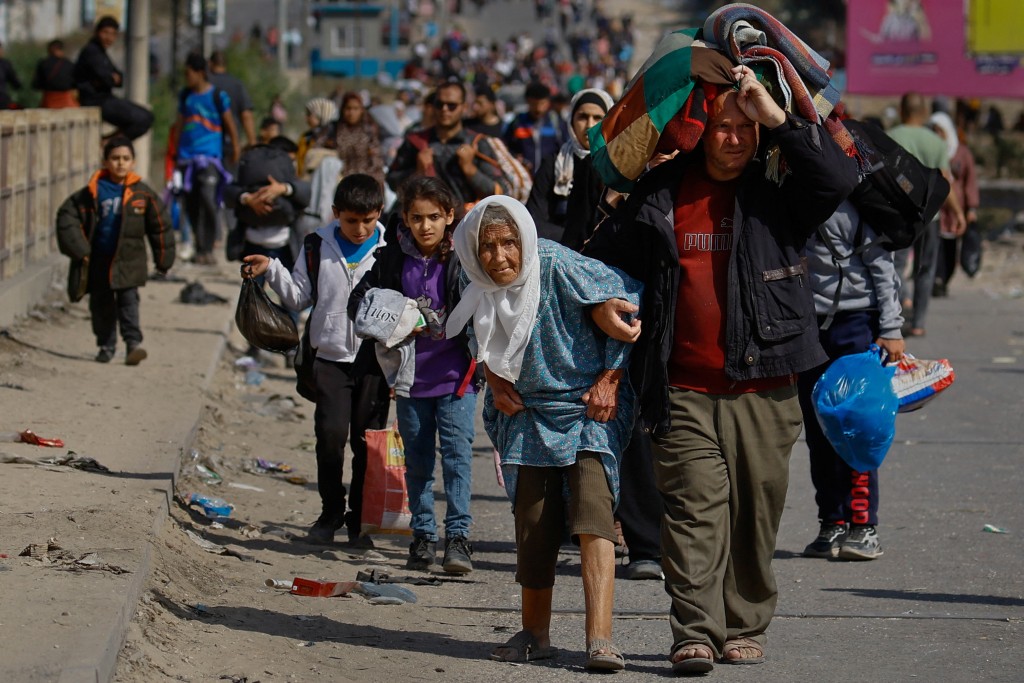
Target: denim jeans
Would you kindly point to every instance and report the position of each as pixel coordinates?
(451, 419)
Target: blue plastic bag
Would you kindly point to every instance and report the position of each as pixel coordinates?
(856, 407)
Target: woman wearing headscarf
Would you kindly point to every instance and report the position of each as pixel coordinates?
(321, 115)
(558, 409)
(965, 186)
(358, 139)
(566, 200)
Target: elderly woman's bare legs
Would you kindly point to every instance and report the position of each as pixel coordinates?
(597, 556)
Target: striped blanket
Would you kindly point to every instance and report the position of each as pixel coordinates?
(661, 109)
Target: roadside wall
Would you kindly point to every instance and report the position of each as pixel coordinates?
(44, 155)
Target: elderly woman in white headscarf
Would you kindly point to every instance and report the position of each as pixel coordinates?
(965, 186)
(566, 199)
(558, 409)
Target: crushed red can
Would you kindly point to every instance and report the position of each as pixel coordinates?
(313, 588)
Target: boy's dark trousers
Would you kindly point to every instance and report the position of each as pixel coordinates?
(347, 404)
(110, 307)
(841, 493)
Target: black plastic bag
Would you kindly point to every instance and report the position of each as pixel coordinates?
(970, 250)
(263, 323)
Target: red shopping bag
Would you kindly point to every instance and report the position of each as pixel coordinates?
(385, 497)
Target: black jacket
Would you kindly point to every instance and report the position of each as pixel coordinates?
(771, 328)
(94, 74)
(571, 220)
(54, 74)
(8, 77)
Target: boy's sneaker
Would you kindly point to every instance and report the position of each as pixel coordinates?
(322, 531)
(421, 554)
(862, 543)
(826, 545)
(457, 552)
(136, 354)
(105, 355)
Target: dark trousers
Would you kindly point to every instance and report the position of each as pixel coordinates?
(639, 508)
(347, 404)
(110, 307)
(926, 256)
(946, 266)
(131, 119)
(202, 209)
(842, 494)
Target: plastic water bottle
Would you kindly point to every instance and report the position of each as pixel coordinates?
(214, 508)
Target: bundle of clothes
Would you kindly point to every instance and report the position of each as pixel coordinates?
(665, 106)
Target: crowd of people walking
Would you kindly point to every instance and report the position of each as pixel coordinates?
(644, 357)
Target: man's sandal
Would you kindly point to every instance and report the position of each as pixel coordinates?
(739, 645)
(695, 664)
(603, 656)
(523, 647)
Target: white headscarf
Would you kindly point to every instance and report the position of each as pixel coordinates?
(942, 120)
(565, 162)
(503, 315)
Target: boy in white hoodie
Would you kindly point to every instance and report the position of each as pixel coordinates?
(351, 394)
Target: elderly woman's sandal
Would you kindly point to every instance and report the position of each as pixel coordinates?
(523, 647)
(603, 656)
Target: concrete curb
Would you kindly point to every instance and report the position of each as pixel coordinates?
(104, 662)
(26, 289)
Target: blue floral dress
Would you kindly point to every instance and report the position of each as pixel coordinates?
(563, 358)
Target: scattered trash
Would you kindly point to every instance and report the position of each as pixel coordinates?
(200, 608)
(92, 561)
(380, 576)
(309, 588)
(250, 531)
(279, 533)
(297, 479)
(281, 584)
(40, 550)
(30, 437)
(271, 466)
(195, 293)
(214, 508)
(208, 476)
(375, 593)
(245, 487)
(254, 378)
(308, 643)
(75, 461)
(216, 549)
(992, 529)
(281, 407)
(248, 362)
(11, 385)
(234, 679)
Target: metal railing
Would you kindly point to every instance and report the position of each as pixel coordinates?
(45, 155)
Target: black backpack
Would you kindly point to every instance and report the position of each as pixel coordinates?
(253, 168)
(900, 195)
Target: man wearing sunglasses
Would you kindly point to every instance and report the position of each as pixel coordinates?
(448, 151)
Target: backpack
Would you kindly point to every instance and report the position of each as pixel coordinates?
(900, 195)
(253, 168)
(519, 179)
(306, 354)
(185, 92)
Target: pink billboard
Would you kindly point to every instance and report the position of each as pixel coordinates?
(896, 46)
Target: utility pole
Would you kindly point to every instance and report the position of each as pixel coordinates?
(138, 73)
(173, 66)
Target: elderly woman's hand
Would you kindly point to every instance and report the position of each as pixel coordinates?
(506, 398)
(609, 317)
(603, 398)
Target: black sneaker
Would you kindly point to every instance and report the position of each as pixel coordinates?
(826, 545)
(457, 552)
(136, 354)
(421, 554)
(105, 355)
(862, 543)
(644, 570)
(322, 531)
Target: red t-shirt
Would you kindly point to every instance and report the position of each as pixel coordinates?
(704, 211)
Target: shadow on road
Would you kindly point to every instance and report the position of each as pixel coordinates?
(890, 594)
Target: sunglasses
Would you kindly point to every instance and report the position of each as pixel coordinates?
(450, 106)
